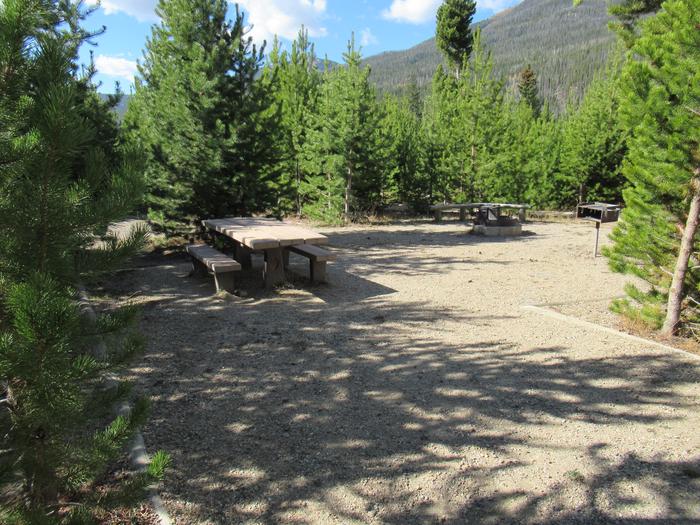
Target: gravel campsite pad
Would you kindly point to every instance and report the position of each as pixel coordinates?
(415, 388)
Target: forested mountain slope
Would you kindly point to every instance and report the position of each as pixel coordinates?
(565, 45)
(120, 109)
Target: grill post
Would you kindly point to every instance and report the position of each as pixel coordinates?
(598, 212)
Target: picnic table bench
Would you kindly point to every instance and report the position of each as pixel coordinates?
(481, 210)
(206, 259)
(274, 239)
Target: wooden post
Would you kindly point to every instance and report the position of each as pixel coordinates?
(522, 216)
(243, 255)
(273, 273)
(462, 214)
(285, 258)
(199, 269)
(225, 281)
(597, 237)
(318, 271)
(438, 215)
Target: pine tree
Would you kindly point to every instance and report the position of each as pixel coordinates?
(527, 88)
(465, 128)
(404, 152)
(63, 209)
(63, 179)
(204, 116)
(515, 152)
(542, 160)
(656, 237)
(628, 13)
(297, 88)
(345, 146)
(594, 145)
(454, 34)
(414, 97)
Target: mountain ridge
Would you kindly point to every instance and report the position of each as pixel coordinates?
(565, 45)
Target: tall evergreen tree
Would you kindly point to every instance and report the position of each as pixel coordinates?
(297, 88)
(594, 145)
(345, 146)
(454, 34)
(542, 160)
(69, 179)
(404, 152)
(204, 116)
(515, 153)
(464, 128)
(657, 236)
(527, 88)
(63, 179)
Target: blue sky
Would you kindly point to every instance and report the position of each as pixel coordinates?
(379, 25)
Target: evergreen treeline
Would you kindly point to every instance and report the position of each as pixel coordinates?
(225, 134)
(64, 177)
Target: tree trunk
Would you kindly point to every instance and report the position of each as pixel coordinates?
(473, 173)
(348, 188)
(675, 293)
(298, 181)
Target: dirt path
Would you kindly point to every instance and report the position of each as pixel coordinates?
(416, 389)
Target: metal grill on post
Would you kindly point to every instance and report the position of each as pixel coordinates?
(598, 212)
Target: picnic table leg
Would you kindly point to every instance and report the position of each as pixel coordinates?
(285, 258)
(225, 282)
(273, 272)
(318, 271)
(198, 269)
(243, 256)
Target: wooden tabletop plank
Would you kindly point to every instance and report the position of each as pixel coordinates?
(264, 234)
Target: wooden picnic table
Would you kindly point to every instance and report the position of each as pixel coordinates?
(269, 236)
(482, 208)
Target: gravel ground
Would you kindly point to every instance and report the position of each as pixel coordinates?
(414, 388)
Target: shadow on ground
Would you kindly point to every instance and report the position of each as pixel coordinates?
(329, 406)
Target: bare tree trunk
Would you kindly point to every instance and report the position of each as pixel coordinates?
(298, 181)
(348, 189)
(675, 293)
(473, 174)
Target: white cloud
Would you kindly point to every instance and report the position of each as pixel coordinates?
(284, 17)
(367, 38)
(421, 11)
(116, 67)
(497, 5)
(412, 11)
(141, 10)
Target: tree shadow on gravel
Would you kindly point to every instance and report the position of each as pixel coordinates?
(627, 483)
(343, 407)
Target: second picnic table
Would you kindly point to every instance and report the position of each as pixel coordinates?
(272, 237)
